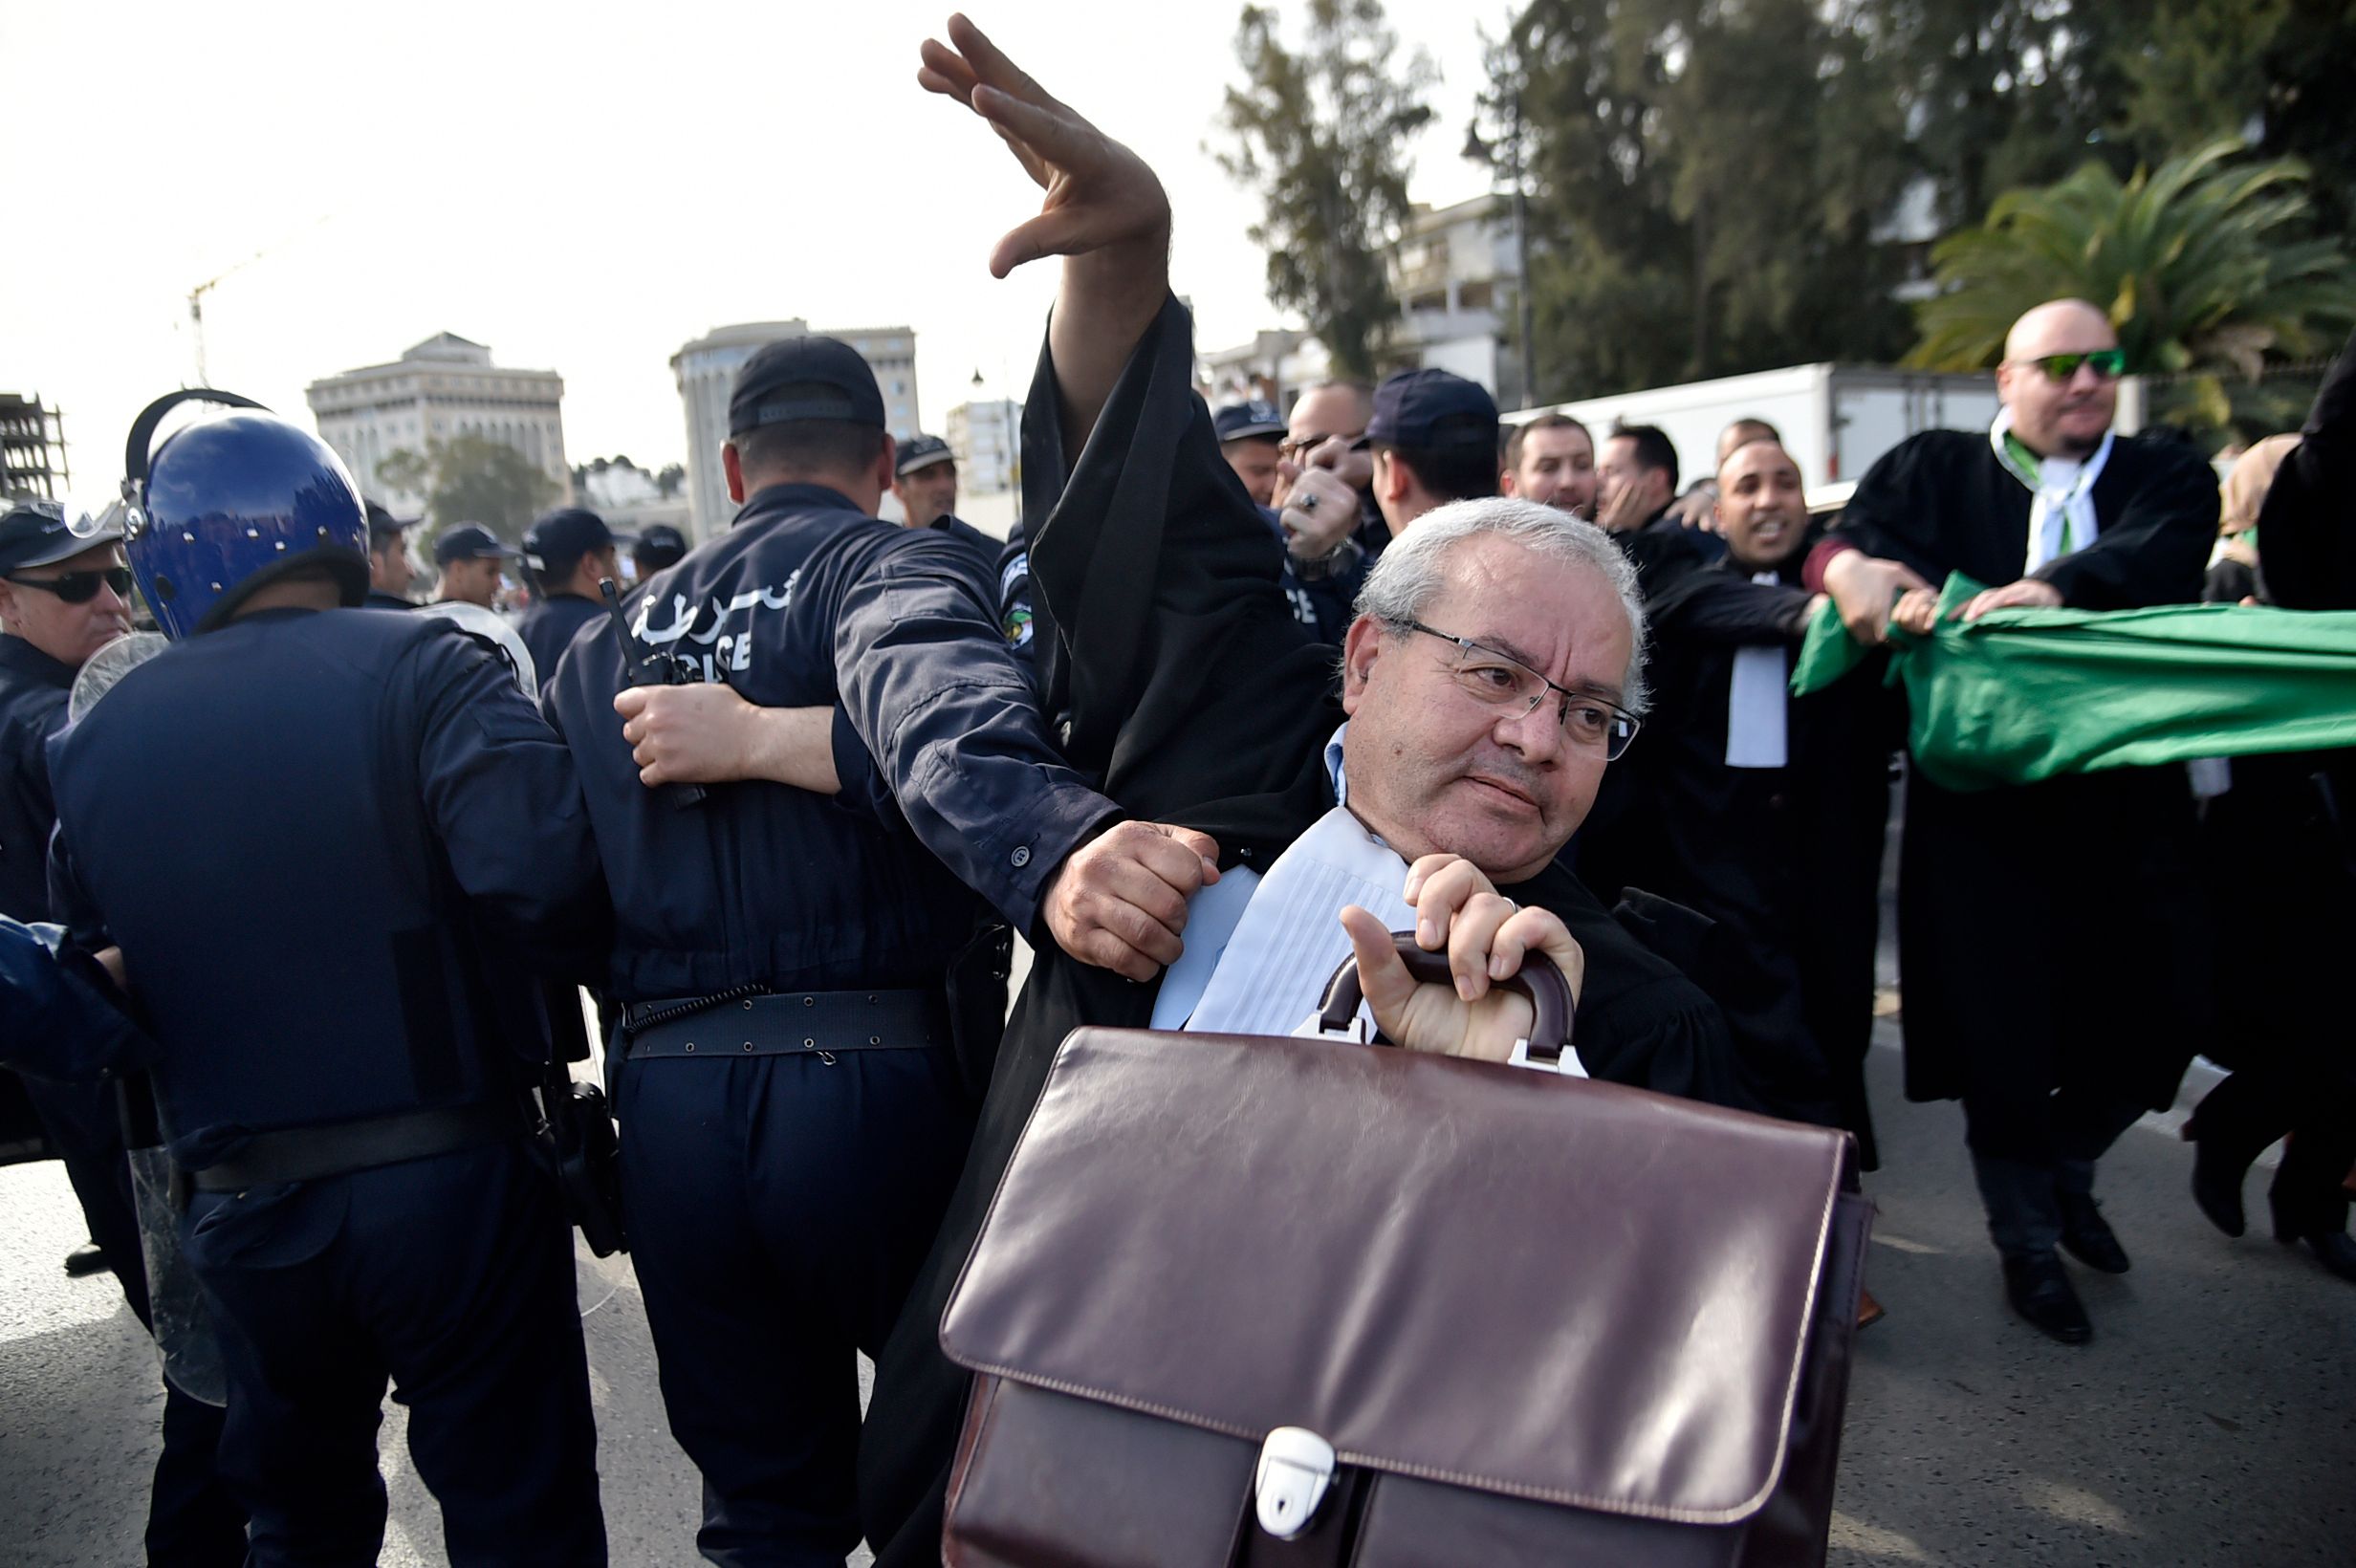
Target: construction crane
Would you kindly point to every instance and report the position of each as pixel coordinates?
(196, 296)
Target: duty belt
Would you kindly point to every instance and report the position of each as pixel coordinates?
(304, 1154)
(798, 1023)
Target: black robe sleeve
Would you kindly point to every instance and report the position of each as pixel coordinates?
(2307, 529)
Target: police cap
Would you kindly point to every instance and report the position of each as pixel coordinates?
(559, 538)
(1432, 408)
(469, 542)
(805, 378)
(383, 528)
(36, 533)
(1242, 420)
(922, 451)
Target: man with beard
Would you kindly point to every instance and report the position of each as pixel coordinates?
(1490, 675)
(2050, 935)
(1551, 459)
(1761, 810)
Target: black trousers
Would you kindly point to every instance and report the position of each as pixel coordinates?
(193, 1522)
(779, 1208)
(2076, 1126)
(452, 1276)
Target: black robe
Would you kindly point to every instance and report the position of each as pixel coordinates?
(1199, 699)
(2050, 934)
(1786, 860)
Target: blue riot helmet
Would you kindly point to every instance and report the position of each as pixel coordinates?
(222, 507)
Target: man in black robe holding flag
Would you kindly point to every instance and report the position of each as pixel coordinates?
(2052, 954)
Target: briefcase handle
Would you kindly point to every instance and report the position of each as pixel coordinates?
(1540, 980)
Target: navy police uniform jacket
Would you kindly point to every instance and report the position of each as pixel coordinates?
(807, 601)
(321, 839)
(34, 688)
(549, 625)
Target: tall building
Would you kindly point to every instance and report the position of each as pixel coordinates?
(32, 448)
(706, 370)
(439, 390)
(986, 437)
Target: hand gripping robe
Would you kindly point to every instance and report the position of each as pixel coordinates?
(1200, 700)
(2050, 934)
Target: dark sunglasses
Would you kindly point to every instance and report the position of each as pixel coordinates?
(80, 587)
(2109, 364)
(1294, 445)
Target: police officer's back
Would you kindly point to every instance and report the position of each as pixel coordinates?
(316, 836)
(793, 1119)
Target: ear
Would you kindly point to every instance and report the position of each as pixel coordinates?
(1360, 649)
(734, 466)
(886, 462)
(1391, 478)
(7, 603)
(1506, 484)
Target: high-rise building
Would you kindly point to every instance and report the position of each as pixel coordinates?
(986, 437)
(439, 390)
(32, 448)
(705, 371)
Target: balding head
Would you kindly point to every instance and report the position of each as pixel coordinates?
(2065, 417)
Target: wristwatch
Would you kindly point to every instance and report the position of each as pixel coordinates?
(1335, 562)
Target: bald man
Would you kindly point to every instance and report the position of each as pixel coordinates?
(2051, 948)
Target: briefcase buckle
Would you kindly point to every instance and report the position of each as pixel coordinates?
(1296, 1468)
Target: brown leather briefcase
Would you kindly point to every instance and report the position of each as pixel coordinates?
(1254, 1301)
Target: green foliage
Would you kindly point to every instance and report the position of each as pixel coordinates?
(472, 479)
(1321, 135)
(2198, 264)
(1706, 176)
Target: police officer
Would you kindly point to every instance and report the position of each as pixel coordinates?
(318, 837)
(63, 596)
(569, 552)
(793, 1112)
(389, 572)
(471, 561)
(924, 482)
(659, 546)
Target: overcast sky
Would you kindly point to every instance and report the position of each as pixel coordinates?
(582, 187)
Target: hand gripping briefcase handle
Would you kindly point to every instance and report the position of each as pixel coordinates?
(1540, 980)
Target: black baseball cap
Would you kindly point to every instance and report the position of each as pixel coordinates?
(922, 451)
(801, 378)
(383, 528)
(469, 542)
(35, 532)
(1241, 421)
(557, 539)
(661, 544)
(1432, 408)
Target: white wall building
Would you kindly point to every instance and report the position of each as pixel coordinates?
(987, 438)
(1457, 273)
(439, 390)
(705, 371)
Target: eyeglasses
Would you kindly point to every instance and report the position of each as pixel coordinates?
(80, 587)
(2106, 363)
(1294, 445)
(1500, 681)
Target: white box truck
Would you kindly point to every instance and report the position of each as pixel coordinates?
(1835, 420)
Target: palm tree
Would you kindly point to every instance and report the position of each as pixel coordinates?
(2201, 264)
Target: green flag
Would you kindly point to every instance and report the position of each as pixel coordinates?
(2023, 695)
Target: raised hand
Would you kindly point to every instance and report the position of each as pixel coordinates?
(1104, 213)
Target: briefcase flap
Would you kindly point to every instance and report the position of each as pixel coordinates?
(1526, 1283)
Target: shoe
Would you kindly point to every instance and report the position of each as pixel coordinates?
(88, 1258)
(2088, 1236)
(1870, 1312)
(2336, 1251)
(2217, 1189)
(2041, 1291)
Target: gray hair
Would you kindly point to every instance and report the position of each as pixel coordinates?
(1414, 567)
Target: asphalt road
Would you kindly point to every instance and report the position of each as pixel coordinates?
(2212, 1421)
